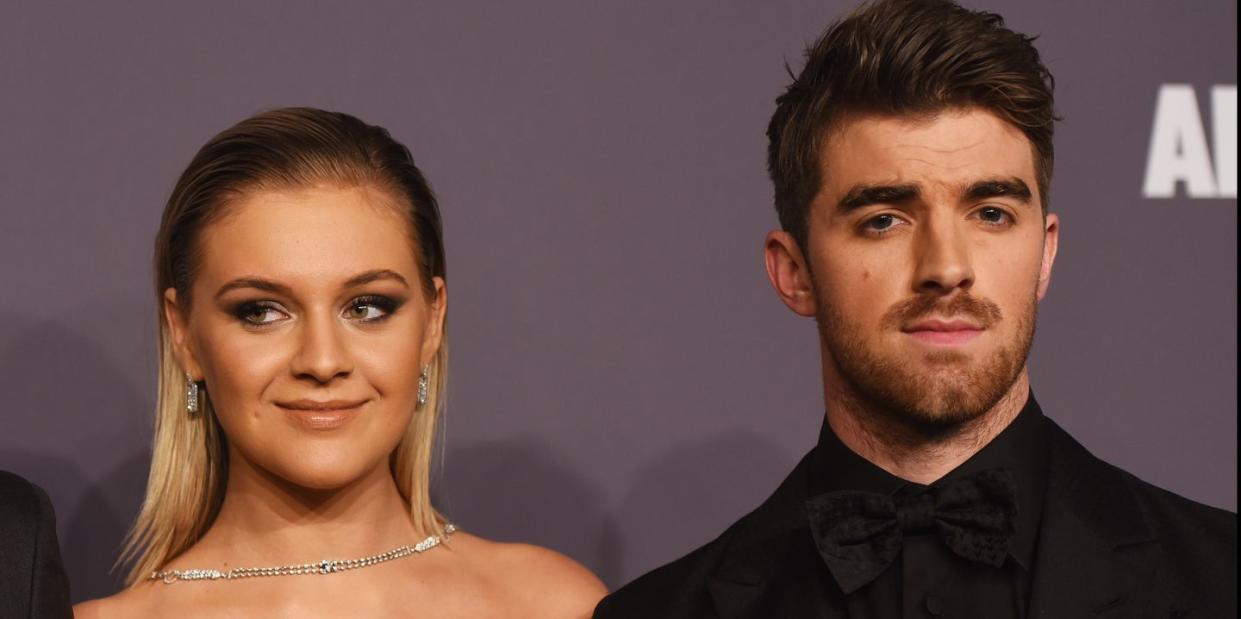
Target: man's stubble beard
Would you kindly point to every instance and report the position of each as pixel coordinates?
(941, 391)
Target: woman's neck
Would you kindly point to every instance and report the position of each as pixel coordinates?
(265, 520)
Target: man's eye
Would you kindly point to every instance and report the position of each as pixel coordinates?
(880, 223)
(993, 215)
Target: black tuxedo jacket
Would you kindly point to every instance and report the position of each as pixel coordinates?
(32, 580)
(1110, 545)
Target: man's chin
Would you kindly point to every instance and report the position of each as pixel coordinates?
(926, 389)
(940, 400)
(966, 356)
(944, 413)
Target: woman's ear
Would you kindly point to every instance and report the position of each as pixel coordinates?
(176, 316)
(433, 331)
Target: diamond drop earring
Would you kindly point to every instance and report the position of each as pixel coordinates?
(191, 395)
(423, 382)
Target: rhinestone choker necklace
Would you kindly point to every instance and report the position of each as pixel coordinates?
(323, 567)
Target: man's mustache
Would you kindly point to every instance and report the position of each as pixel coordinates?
(981, 311)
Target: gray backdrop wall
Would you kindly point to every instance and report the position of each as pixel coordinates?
(623, 382)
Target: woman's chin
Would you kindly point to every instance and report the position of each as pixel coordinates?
(324, 474)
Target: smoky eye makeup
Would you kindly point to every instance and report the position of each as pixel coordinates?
(257, 313)
(362, 309)
(372, 308)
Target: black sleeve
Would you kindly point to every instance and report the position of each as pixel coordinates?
(49, 595)
(32, 578)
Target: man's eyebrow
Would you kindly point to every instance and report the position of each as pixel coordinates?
(267, 285)
(376, 275)
(999, 188)
(866, 195)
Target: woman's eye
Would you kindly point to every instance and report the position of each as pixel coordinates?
(259, 313)
(364, 311)
(993, 215)
(369, 309)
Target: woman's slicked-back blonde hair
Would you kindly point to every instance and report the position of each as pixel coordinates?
(289, 148)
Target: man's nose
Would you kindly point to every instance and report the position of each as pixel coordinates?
(943, 257)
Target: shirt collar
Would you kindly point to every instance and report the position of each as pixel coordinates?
(1021, 448)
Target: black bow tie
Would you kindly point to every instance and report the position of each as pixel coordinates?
(859, 534)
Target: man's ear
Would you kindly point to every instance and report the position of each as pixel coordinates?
(176, 316)
(1051, 241)
(789, 275)
(433, 332)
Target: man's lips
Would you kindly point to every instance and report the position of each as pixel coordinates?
(940, 332)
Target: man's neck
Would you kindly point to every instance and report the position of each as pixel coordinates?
(911, 453)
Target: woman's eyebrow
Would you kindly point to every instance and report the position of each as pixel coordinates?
(376, 275)
(257, 283)
(267, 285)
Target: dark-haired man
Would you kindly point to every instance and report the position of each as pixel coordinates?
(911, 160)
(32, 580)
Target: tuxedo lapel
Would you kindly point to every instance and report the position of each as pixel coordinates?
(738, 584)
(807, 591)
(1096, 554)
(771, 567)
(733, 599)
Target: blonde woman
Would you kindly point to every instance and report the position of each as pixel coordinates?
(301, 279)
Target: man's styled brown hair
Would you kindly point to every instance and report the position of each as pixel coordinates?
(903, 57)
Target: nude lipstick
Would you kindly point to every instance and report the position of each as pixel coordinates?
(321, 414)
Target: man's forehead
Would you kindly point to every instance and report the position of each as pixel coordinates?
(950, 150)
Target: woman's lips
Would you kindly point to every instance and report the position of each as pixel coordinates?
(317, 415)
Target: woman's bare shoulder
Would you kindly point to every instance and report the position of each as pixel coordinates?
(546, 582)
(132, 602)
